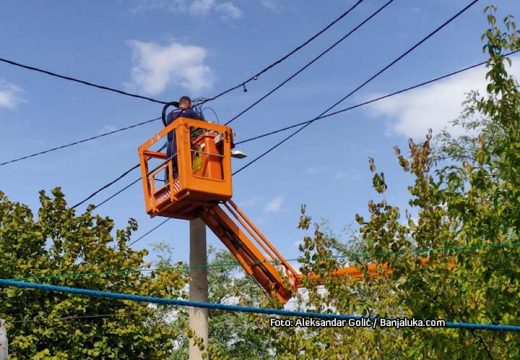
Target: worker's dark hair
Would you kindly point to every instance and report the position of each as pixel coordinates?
(184, 99)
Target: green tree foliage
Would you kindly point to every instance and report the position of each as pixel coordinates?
(454, 255)
(44, 325)
(457, 258)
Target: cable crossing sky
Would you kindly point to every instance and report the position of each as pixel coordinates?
(299, 71)
(413, 87)
(373, 77)
(142, 97)
(424, 83)
(324, 113)
(303, 124)
(283, 58)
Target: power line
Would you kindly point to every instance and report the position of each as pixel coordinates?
(78, 142)
(323, 114)
(312, 61)
(83, 82)
(424, 39)
(65, 318)
(149, 231)
(107, 185)
(234, 308)
(240, 85)
(279, 61)
(274, 131)
(413, 87)
(354, 255)
(118, 192)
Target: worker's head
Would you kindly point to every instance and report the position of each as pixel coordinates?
(184, 102)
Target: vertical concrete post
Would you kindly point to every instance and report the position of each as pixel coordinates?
(3, 341)
(198, 318)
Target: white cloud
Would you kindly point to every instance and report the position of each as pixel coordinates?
(351, 174)
(272, 5)
(156, 67)
(107, 128)
(229, 11)
(10, 95)
(250, 202)
(275, 205)
(198, 8)
(314, 170)
(433, 106)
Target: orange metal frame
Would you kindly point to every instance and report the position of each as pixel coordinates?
(183, 197)
(203, 188)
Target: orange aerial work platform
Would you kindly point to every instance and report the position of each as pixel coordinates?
(197, 172)
(191, 177)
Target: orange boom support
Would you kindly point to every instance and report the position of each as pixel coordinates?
(193, 179)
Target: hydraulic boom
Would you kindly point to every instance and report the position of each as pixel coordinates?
(195, 181)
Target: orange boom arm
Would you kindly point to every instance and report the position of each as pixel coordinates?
(195, 181)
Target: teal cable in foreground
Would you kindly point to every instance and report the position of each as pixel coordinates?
(247, 309)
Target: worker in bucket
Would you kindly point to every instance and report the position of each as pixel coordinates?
(184, 110)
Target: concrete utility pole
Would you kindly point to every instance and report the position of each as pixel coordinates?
(3, 341)
(198, 286)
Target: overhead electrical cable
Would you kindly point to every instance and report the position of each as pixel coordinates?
(79, 142)
(283, 58)
(413, 87)
(306, 124)
(83, 82)
(299, 71)
(269, 133)
(149, 231)
(106, 186)
(233, 308)
(352, 255)
(118, 192)
(385, 68)
(240, 85)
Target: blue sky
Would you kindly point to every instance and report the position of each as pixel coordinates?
(168, 48)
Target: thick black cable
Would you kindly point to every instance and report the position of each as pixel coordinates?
(84, 82)
(240, 85)
(424, 83)
(149, 231)
(168, 104)
(283, 58)
(254, 77)
(119, 192)
(78, 142)
(268, 133)
(107, 185)
(360, 86)
(413, 87)
(310, 62)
